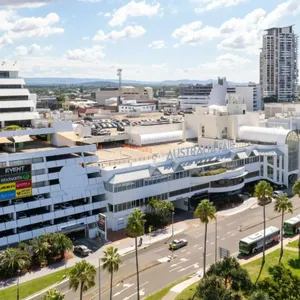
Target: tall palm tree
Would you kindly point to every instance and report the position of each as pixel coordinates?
(136, 227)
(296, 191)
(12, 260)
(205, 211)
(111, 262)
(264, 192)
(282, 205)
(82, 276)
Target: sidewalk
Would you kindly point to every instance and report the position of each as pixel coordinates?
(177, 289)
(125, 246)
(247, 204)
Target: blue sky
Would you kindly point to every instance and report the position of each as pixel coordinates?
(150, 40)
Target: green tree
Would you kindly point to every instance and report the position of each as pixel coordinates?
(12, 260)
(282, 205)
(82, 276)
(111, 262)
(158, 212)
(136, 227)
(53, 294)
(40, 249)
(233, 276)
(259, 295)
(61, 244)
(213, 287)
(296, 191)
(264, 192)
(206, 212)
(281, 285)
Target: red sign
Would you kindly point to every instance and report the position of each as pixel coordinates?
(23, 184)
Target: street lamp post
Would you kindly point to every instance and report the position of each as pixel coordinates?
(173, 223)
(216, 240)
(18, 285)
(99, 279)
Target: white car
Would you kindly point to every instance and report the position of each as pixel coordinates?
(39, 197)
(276, 194)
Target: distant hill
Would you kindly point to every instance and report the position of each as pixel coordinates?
(109, 82)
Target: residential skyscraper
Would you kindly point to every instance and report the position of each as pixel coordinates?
(278, 63)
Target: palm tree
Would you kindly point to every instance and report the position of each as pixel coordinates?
(53, 294)
(83, 276)
(264, 192)
(40, 249)
(205, 211)
(259, 295)
(136, 227)
(111, 262)
(12, 260)
(282, 205)
(296, 191)
(61, 244)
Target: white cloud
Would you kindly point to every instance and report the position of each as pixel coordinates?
(88, 54)
(159, 44)
(207, 5)
(226, 61)
(237, 33)
(193, 33)
(32, 49)
(91, 1)
(101, 13)
(85, 38)
(16, 27)
(134, 9)
(108, 14)
(24, 3)
(127, 32)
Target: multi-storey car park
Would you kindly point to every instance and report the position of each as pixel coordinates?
(47, 182)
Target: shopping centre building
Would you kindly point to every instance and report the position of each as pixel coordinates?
(54, 179)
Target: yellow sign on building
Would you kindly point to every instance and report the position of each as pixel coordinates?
(21, 193)
(7, 187)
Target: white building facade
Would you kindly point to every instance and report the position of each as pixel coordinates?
(279, 63)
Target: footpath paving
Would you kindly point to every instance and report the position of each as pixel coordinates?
(125, 246)
(177, 289)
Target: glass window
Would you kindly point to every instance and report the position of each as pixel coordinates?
(261, 158)
(270, 172)
(261, 170)
(270, 160)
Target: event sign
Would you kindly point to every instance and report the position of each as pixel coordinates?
(15, 182)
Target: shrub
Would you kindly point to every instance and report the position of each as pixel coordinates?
(210, 173)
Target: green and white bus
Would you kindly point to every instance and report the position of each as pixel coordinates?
(254, 242)
(292, 225)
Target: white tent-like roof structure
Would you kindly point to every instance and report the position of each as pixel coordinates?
(263, 134)
(161, 137)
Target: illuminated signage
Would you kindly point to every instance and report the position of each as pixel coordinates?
(198, 151)
(15, 182)
(102, 225)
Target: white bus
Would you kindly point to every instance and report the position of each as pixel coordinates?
(254, 242)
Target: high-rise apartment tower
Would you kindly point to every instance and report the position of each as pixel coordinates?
(278, 63)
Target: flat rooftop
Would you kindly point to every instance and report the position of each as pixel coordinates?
(125, 154)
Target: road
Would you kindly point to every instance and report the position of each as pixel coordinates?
(157, 271)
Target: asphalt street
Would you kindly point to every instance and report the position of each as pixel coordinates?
(157, 270)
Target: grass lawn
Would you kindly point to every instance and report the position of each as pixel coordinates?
(188, 293)
(31, 287)
(293, 244)
(289, 259)
(159, 295)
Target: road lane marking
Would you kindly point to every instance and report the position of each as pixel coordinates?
(142, 293)
(195, 246)
(143, 284)
(198, 235)
(188, 253)
(230, 223)
(200, 248)
(228, 232)
(196, 266)
(174, 269)
(183, 250)
(159, 250)
(208, 254)
(233, 234)
(127, 286)
(222, 239)
(212, 243)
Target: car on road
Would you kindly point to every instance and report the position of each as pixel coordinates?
(82, 250)
(177, 244)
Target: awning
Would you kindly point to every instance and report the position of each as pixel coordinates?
(70, 135)
(21, 139)
(4, 140)
(242, 155)
(131, 176)
(263, 152)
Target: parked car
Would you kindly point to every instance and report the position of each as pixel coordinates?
(276, 194)
(177, 244)
(18, 201)
(39, 197)
(82, 250)
(65, 205)
(87, 137)
(21, 215)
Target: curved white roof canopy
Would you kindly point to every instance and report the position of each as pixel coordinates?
(263, 134)
(161, 137)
